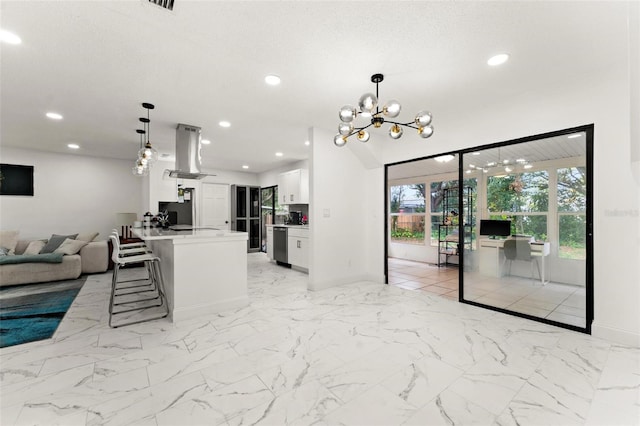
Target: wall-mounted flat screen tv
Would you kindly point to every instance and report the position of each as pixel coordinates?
(16, 180)
(495, 228)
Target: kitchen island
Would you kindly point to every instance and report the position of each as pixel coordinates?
(204, 269)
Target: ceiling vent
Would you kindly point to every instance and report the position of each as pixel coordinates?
(165, 4)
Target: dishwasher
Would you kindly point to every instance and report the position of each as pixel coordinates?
(280, 245)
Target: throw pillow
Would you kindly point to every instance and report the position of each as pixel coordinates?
(9, 240)
(4, 251)
(70, 246)
(87, 236)
(55, 241)
(34, 247)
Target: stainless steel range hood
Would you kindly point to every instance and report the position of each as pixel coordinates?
(188, 158)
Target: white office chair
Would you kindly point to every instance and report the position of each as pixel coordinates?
(146, 293)
(515, 249)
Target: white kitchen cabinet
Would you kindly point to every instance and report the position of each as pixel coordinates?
(270, 242)
(298, 247)
(293, 187)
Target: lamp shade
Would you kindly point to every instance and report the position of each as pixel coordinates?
(126, 219)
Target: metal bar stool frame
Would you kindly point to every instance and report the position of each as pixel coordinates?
(155, 285)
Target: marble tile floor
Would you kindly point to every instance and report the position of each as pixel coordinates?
(357, 354)
(555, 301)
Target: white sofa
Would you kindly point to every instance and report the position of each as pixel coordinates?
(92, 258)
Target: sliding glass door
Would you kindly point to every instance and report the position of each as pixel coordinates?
(532, 215)
(514, 219)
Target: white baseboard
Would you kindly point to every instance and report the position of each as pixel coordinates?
(615, 335)
(182, 314)
(315, 286)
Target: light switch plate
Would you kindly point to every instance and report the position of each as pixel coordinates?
(326, 213)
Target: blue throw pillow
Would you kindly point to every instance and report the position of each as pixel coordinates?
(31, 258)
(55, 241)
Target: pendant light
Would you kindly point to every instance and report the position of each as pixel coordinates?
(141, 167)
(147, 154)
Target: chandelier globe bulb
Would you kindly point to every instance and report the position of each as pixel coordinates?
(425, 132)
(395, 132)
(392, 109)
(368, 102)
(363, 136)
(340, 140)
(347, 113)
(345, 129)
(423, 118)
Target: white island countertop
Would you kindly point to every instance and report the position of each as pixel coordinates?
(151, 234)
(204, 270)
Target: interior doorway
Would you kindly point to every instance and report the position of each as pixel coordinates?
(422, 254)
(215, 205)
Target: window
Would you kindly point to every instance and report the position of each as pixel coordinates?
(522, 198)
(437, 205)
(572, 218)
(407, 207)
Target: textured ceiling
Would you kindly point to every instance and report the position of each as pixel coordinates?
(95, 62)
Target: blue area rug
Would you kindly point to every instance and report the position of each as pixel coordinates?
(31, 312)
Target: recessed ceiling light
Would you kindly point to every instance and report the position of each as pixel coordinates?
(73, 146)
(244, 166)
(205, 141)
(307, 143)
(498, 59)
(224, 124)
(279, 154)
(444, 158)
(9, 37)
(272, 80)
(54, 116)
(575, 135)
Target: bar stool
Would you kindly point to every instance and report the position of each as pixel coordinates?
(124, 246)
(127, 249)
(148, 289)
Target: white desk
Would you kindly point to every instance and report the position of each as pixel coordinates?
(492, 257)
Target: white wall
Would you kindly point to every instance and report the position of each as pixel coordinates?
(72, 193)
(343, 207)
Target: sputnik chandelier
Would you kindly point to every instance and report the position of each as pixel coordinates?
(147, 155)
(367, 104)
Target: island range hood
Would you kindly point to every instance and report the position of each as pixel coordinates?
(188, 158)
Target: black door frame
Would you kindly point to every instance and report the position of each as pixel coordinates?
(589, 133)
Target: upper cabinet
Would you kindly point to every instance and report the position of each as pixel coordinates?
(293, 187)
